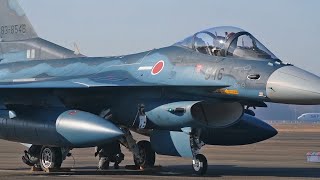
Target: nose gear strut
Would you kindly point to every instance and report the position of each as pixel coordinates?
(199, 162)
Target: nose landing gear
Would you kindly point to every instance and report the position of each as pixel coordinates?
(200, 164)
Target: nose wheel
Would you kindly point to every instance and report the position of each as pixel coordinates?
(200, 164)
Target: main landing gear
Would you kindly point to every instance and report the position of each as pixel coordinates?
(50, 157)
(45, 157)
(147, 155)
(143, 155)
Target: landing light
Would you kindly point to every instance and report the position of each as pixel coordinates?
(177, 110)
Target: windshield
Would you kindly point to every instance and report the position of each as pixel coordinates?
(227, 41)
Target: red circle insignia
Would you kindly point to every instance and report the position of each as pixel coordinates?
(157, 68)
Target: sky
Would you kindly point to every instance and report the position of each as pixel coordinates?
(289, 28)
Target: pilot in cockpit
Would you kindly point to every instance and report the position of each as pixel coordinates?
(229, 35)
(201, 46)
(227, 41)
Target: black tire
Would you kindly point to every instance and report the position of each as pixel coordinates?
(104, 164)
(200, 164)
(147, 154)
(116, 166)
(50, 157)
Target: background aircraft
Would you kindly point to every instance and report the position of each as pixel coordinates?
(198, 91)
(309, 117)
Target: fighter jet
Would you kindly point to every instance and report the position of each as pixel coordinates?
(199, 91)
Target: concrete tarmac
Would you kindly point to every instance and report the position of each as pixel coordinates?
(282, 157)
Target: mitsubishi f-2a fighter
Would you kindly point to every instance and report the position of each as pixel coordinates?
(199, 91)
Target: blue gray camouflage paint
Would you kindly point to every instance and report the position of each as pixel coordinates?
(224, 70)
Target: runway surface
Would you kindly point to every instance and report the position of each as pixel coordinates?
(282, 157)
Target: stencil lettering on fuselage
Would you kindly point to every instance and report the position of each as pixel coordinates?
(214, 73)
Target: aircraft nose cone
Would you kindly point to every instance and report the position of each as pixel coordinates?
(292, 85)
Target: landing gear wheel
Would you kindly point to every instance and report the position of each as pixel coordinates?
(104, 163)
(50, 157)
(200, 164)
(116, 166)
(148, 156)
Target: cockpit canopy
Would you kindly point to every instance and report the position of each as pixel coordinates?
(227, 41)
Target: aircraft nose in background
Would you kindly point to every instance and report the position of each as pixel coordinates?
(292, 85)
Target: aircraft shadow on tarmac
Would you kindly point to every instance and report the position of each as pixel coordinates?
(186, 171)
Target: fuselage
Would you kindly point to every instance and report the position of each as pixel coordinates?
(182, 69)
(216, 79)
(195, 92)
